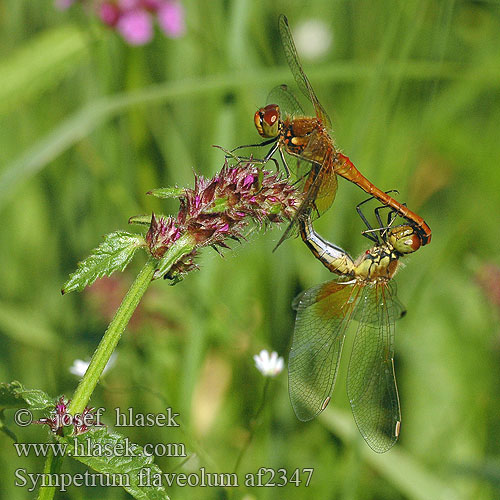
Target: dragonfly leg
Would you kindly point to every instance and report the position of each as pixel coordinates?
(369, 233)
(373, 197)
(262, 161)
(285, 164)
(264, 143)
(370, 236)
(383, 228)
(391, 215)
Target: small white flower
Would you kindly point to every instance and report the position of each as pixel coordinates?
(313, 38)
(269, 366)
(79, 366)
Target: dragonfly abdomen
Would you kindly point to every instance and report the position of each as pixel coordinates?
(346, 169)
(334, 258)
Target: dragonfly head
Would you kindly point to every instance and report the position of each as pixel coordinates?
(404, 239)
(267, 121)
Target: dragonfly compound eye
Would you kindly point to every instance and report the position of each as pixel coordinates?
(267, 120)
(405, 240)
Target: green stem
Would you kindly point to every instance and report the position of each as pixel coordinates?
(52, 466)
(122, 316)
(253, 425)
(111, 337)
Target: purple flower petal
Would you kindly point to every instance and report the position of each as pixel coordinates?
(171, 18)
(248, 180)
(136, 27)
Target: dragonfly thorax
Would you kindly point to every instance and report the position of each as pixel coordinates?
(306, 138)
(381, 261)
(378, 262)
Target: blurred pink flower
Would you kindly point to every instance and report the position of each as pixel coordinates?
(64, 4)
(109, 13)
(136, 27)
(129, 4)
(133, 19)
(153, 5)
(171, 18)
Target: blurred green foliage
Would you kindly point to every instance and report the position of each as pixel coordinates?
(89, 124)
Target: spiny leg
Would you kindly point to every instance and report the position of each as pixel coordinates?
(240, 159)
(369, 233)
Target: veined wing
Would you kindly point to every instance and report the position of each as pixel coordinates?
(323, 313)
(395, 309)
(371, 381)
(320, 190)
(289, 107)
(281, 96)
(297, 71)
(321, 187)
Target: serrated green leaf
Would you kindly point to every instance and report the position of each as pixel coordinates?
(109, 462)
(142, 220)
(112, 255)
(15, 395)
(170, 192)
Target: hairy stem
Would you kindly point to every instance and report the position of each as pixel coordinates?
(111, 337)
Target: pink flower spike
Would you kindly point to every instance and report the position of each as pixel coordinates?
(248, 180)
(136, 27)
(171, 18)
(224, 228)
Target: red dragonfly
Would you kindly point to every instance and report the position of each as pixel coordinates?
(363, 291)
(309, 139)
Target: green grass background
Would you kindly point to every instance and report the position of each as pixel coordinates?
(88, 125)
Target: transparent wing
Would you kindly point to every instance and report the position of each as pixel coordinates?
(371, 381)
(395, 309)
(290, 107)
(297, 71)
(320, 188)
(281, 96)
(323, 313)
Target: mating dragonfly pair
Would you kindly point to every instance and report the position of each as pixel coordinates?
(363, 289)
